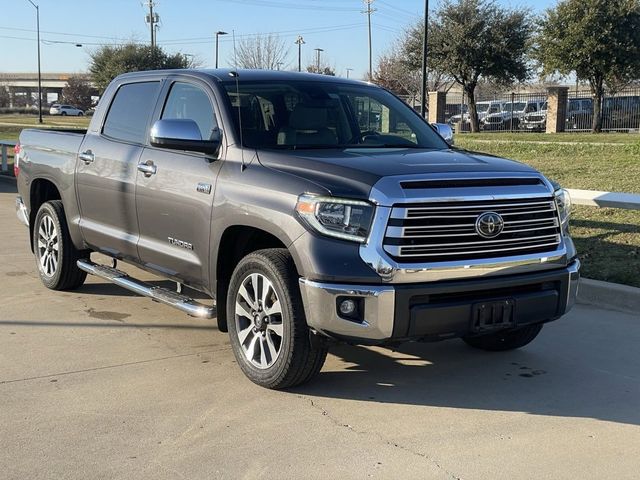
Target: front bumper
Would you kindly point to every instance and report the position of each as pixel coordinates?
(437, 310)
(21, 211)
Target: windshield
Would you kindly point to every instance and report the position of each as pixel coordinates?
(311, 114)
(482, 107)
(517, 107)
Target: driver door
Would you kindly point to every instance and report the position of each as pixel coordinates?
(174, 202)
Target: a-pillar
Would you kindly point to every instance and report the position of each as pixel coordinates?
(437, 106)
(557, 109)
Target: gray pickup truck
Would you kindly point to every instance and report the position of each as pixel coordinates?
(312, 209)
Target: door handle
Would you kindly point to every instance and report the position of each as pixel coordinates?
(87, 157)
(148, 168)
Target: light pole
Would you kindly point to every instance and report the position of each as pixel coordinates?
(349, 71)
(300, 41)
(318, 50)
(39, 71)
(423, 107)
(218, 33)
(278, 65)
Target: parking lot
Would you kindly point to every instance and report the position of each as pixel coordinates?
(101, 383)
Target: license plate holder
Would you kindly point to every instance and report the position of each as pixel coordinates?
(493, 315)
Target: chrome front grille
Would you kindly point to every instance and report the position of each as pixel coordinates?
(436, 231)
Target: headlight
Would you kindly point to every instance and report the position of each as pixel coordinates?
(563, 202)
(336, 217)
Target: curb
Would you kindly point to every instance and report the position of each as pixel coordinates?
(612, 296)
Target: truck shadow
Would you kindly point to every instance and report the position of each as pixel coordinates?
(569, 379)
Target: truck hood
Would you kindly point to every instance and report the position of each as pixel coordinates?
(352, 172)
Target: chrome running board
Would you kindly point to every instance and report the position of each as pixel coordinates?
(159, 294)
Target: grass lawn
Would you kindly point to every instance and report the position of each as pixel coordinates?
(608, 240)
(11, 125)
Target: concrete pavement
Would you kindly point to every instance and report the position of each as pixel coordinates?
(100, 384)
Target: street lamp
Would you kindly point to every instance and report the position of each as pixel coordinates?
(423, 107)
(39, 71)
(218, 33)
(349, 70)
(318, 50)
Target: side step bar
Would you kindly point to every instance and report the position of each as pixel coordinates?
(159, 294)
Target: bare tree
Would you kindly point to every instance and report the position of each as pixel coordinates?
(78, 92)
(4, 96)
(264, 52)
(394, 72)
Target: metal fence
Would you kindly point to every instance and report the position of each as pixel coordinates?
(527, 112)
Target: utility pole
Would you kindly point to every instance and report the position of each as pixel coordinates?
(39, 69)
(218, 33)
(300, 41)
(369, 11)
(318, 50)
(423, 108)
(152, 19)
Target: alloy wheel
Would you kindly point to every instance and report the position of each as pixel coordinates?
(48, 246)
(258, 317)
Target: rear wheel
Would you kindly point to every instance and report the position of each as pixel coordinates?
(56, 256)
(267, 326)
(505, 340)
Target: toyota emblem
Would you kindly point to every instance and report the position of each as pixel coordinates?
(489, 225)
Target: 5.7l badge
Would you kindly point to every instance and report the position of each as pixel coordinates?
(204, 188)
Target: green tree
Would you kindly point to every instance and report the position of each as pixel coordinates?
(108, 62)
(78, 92)
(474, 40)
(599, 40)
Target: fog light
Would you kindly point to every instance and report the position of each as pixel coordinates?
(347, 307)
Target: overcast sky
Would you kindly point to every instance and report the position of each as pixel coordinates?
(187, 26)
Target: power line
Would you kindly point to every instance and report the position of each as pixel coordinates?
(287, 5)
(152, 19)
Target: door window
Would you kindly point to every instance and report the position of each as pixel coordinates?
(187, 101)
(129, 112)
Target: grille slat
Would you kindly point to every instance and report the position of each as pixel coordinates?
(446, 231)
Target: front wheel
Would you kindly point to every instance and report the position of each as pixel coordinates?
(505, 340)
(56, 256)
(267, 326)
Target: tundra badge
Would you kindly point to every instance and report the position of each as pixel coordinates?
(180, 243)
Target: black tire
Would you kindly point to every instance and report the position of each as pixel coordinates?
(506, 339)
(63, 114)
(80, 114)
(65, 275)
(299, 357)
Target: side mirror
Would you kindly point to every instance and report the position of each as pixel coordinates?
(445, 131)
(183, 134)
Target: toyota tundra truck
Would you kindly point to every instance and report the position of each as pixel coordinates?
(310, 209)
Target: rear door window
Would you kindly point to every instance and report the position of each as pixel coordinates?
(130, 110)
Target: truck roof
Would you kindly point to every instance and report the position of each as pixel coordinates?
(223, 74)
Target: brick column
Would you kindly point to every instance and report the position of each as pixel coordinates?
(437, 105)
(557, 109)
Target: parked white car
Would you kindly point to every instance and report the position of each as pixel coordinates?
(64, 110)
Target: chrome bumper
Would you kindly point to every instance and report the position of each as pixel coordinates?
(380, 302)
(21, 212)
(574, 281)
(320, 304)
